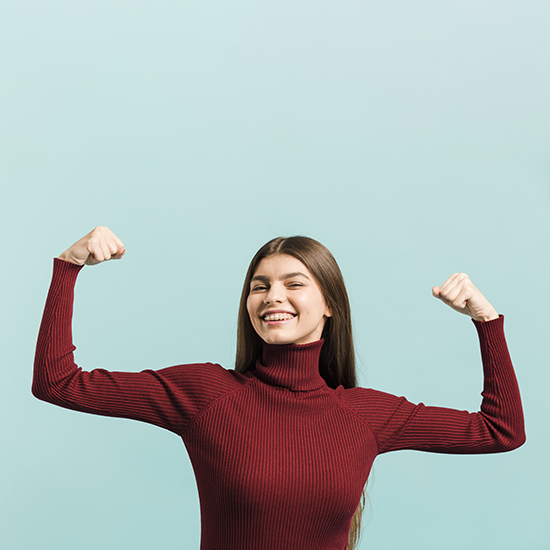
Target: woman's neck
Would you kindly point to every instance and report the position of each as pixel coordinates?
(291, 366)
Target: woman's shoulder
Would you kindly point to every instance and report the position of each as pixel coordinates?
(363, 400)
(203, 376)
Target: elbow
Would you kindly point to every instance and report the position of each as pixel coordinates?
(41, 389)
(39, 392)
(514, 440)
(506, 433)
(519, 440)
(519, 437)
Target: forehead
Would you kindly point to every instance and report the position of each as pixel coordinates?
(278, 264)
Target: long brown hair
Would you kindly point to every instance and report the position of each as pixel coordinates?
(337, 359)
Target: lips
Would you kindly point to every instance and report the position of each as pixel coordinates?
(277, 315)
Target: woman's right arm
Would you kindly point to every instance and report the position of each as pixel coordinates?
(170, 397)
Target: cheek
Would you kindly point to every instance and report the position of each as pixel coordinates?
(250, 308)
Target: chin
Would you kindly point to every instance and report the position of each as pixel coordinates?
(281, 340)
(277, 340)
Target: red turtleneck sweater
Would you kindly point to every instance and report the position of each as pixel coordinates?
(280, 458)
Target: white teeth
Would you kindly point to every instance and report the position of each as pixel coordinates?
(278, 317)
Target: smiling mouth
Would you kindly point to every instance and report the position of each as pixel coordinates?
(277, 317)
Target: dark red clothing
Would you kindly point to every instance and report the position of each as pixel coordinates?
(280, 458)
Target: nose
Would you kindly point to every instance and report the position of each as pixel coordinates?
(275, 294)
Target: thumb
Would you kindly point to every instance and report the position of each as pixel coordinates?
(435, 291)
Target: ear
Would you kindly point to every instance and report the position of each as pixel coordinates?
(328, 312)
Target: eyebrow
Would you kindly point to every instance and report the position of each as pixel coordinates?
(282, 278)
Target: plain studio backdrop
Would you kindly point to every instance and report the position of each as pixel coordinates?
(411, 138)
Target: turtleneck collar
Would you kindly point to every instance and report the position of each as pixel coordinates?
(292, 366)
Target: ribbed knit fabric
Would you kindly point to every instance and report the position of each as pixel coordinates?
(280, 458)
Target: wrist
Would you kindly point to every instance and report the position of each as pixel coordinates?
(66, 258)
(488, 317)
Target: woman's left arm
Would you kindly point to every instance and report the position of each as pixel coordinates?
(497, 427)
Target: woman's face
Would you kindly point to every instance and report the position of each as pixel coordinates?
(285, 303)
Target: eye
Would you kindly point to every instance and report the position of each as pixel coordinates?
(295, 284)
(258, 287)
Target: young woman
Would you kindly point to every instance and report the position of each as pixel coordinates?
(283, 444)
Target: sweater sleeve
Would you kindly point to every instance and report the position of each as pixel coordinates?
(170, 398)
(497, 427)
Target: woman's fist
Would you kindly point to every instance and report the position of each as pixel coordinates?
(97, 246)
(460, 293)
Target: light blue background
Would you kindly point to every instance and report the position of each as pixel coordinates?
(411, 138)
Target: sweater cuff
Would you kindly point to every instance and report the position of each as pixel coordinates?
(65, 273)
(488, 329)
